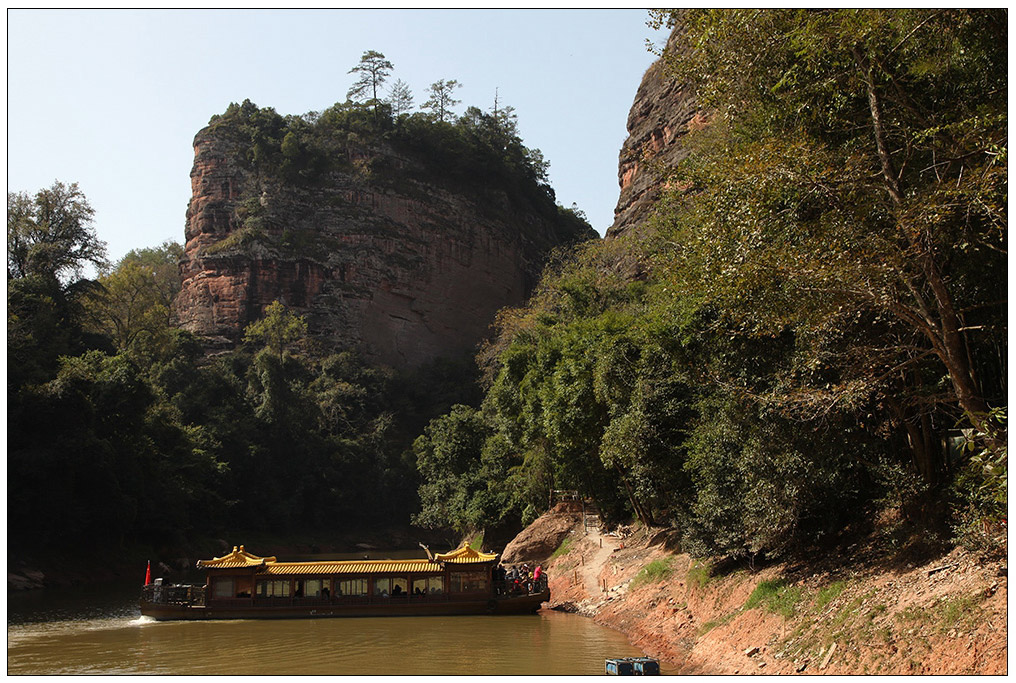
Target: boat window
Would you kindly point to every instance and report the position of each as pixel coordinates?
(273, 589)
(420, 586)
(243, 586)
(467, 582)
(400, 586)
(435, 585)
(351, 587)
(383, 587)
(222, 587)
(312, 588)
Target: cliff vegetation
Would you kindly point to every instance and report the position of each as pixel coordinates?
(806, 339)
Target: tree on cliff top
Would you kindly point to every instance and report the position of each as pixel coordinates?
(374, 70)
(441, 101)
(400, 98)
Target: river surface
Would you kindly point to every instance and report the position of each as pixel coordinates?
(101, 631)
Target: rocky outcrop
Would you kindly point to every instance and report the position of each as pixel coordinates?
(664, 111)
(538, 541)
(376, 254)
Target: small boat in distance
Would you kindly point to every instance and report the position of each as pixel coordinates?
(632, 666)
(241, 585)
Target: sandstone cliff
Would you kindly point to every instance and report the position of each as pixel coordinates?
(376, 244)
(664, 111)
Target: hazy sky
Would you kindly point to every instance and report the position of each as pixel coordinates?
(111, 99)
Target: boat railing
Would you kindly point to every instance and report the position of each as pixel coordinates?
(174, 594)
(506, 589)
(194, 596)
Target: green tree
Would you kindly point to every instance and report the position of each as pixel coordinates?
(441, 100)
(276, 329)
(50, 243)
(373, 71)
(448, 459)
(134, 307)
(51, 234)
(505, 118)
(400, 98)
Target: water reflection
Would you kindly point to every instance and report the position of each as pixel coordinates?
(83, 639)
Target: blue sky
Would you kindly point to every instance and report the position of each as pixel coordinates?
(111, 99)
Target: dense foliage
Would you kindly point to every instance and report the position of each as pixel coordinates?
(134, 443)
(811, 325)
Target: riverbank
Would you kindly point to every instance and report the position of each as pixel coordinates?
(851, 614)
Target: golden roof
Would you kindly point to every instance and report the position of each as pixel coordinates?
(353, 567)
(465, 555)
(237, 559)
(241, 559)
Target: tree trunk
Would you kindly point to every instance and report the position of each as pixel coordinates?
(640, 512)
(943, 330)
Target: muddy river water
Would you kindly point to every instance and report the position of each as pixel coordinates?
(101, 631)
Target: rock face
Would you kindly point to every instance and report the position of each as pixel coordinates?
(374, 255)
(663, 112)
(538, 541)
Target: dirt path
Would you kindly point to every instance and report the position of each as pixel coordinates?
(603, 547)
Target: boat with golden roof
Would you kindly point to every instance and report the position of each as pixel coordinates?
(241, 585)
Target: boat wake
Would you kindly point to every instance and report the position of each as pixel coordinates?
(143, 620)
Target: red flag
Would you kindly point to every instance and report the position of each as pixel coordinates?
(148, 573)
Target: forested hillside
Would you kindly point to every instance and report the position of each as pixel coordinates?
(807, 337)
(124, 431)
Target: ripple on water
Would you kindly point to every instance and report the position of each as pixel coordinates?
(122, 642)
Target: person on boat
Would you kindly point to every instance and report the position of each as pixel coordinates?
(537, 573)
(526, 579)
(397, 590)
(499, 579)
(509, 579)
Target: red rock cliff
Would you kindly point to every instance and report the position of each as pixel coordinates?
(664, 110)
(403, 271)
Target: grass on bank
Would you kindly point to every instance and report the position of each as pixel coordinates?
(699, 574)
(562, 549)
(776, 597)
(654, 572)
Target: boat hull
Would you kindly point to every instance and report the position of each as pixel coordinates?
(525, 604)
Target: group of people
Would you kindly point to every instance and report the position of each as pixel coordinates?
(518, 578)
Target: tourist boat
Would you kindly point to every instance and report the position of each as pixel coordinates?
(241, 585)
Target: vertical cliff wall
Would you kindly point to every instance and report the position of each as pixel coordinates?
(664, 111)
(377, 252)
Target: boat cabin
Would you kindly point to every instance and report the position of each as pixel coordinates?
(243, 578)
